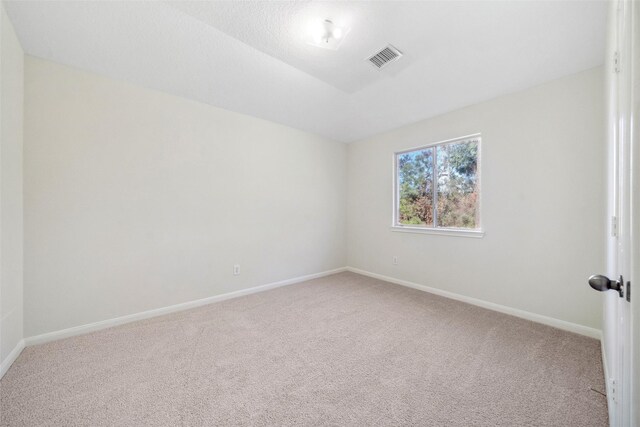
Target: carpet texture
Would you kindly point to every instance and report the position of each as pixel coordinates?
(340, 350)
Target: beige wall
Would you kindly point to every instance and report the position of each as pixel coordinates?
(543, 203)
(136, 199)
(11, 99)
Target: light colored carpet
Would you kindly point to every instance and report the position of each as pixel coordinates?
(340, 350)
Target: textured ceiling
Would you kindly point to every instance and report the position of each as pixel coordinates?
(251, 56)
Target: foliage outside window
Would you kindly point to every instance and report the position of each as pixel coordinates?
(437, 186)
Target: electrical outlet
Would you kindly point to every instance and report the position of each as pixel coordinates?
(236, 270)
(395, 260)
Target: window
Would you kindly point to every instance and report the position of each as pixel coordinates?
(437, 187)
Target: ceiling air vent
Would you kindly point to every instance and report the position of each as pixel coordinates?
(386, 56)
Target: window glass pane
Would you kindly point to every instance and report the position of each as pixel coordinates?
(415, 188)
(457, 185)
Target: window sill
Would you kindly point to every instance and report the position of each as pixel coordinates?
(476, 234)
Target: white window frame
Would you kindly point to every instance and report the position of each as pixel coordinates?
(443, 231)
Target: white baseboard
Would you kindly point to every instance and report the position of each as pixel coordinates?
(550, 321)
(8, 361)
(84, 329)
(104, 324)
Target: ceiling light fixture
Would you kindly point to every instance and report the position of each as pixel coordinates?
(326, 35)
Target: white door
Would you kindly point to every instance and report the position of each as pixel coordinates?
(621, 71)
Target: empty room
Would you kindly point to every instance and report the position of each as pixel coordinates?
(310, 213)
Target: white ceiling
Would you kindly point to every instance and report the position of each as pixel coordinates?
(251, 56)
